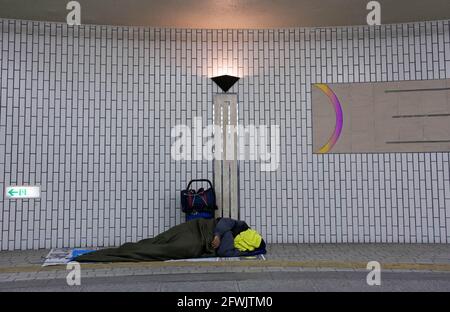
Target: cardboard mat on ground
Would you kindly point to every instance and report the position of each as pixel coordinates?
(58, 256)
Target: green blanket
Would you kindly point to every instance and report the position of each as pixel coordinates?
(187, 240)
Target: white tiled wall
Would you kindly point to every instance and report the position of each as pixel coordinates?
(86, 113)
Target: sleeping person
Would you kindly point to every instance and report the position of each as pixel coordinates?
(196, 238)
(233, 238)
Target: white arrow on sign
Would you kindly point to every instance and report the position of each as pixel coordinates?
(23, 192)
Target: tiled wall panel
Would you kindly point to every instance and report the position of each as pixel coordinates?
(86, 113)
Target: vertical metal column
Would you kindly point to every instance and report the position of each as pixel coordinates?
(225, 168)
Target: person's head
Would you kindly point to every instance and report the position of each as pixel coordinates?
(248, 240)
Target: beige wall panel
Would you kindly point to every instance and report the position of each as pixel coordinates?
(385, 117)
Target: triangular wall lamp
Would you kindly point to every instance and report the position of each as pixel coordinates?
(225, 82)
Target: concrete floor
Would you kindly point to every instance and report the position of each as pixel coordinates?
(289, 267)
(245, 282)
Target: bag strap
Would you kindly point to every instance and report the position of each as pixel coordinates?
(205, 200)
(200, 180)
(190, 200)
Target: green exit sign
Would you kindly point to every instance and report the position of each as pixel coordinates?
(23, 192)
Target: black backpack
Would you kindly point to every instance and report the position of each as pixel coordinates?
(198, 201)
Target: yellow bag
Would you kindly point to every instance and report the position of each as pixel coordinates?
(247, 240)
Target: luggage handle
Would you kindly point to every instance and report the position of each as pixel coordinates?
(199, 180)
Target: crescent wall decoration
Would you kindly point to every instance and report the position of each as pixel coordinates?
(339, 117)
